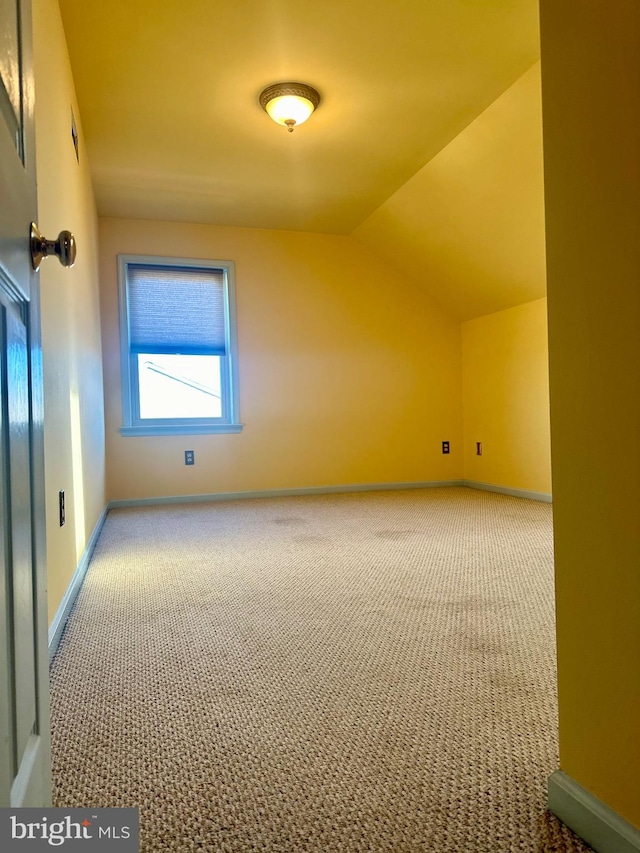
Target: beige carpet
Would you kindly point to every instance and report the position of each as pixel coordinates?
(370, 672)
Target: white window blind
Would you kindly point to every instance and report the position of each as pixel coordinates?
(177, 310)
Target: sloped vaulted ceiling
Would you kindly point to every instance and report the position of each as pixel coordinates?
(168, 96)
(469, 225)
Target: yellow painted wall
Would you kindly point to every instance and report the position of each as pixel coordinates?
(73, 400)
(590, 74)
(506, 398)
(348, 373)
(469, 225)
(342, 381)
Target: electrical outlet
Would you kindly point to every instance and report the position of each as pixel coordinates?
(478, 448)
(189, 457)
(61, 507)
(445, 447)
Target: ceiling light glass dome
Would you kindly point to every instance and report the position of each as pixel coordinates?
(289, 104)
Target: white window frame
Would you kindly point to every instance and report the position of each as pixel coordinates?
(132, 424)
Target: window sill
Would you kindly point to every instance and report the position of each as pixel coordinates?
(181, 429)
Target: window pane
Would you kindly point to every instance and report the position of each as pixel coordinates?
(179, 386)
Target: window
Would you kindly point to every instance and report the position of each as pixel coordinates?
(178, 347)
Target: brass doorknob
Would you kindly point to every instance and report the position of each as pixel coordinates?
(64, 247)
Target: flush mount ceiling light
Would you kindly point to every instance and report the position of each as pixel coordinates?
(289, 104)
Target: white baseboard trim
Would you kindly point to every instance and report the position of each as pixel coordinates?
(589, 817)
(62, 614)
(545, 497)
(282, 493)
